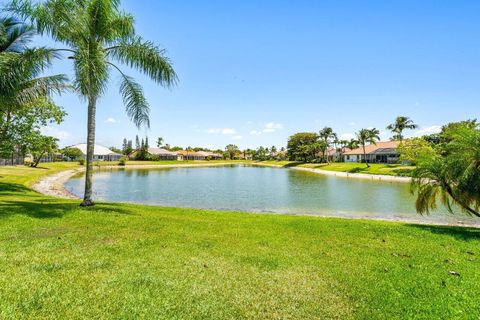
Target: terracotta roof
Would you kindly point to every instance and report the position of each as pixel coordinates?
(374, 148)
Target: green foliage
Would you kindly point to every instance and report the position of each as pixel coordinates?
(231, 151)
(122, 161)
(25, 97)
(303, 146)
(39, 145)
(81, 162)
(452, 173)
(72, 153)
(412, 150)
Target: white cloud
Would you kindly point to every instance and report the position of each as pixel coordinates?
(353, 124)
(55, 132)
(347, 136)
(250, 122)
(111, 120)
(255, 133)
(225, 131)
(428, 130)
(272, 127)
(237, 137)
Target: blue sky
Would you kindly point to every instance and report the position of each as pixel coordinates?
(254, 72)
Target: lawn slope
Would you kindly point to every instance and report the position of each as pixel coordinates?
(118, 261)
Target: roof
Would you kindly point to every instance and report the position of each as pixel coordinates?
(379, 147)
(98, 149)
(161, 151)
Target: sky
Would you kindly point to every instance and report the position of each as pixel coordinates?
(254, 72)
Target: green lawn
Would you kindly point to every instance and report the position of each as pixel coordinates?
(351, 167)
(119, 261)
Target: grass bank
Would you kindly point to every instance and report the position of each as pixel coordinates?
(118, 261)
(350, 167)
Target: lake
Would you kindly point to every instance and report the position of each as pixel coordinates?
(260, 189)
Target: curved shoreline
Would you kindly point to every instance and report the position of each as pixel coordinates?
(54, 185)
(341, 174)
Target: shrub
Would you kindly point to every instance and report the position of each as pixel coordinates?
(81, 162)
(122, 161)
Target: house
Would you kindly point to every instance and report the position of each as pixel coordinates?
(199, 155)
(164, 154)
(381, 152)
(210, 155)
(100, 153)
(336, 154)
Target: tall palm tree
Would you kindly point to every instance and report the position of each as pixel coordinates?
(99, 35)
(365, 136)
(326, 135)
(401, 123)
(21, 86)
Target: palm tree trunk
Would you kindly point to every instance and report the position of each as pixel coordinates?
(92, 106)
(365, 156)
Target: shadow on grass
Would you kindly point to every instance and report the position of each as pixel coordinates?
(12, 188)
(358, 169)
(47, 209)
(25, 202)
(460, 233)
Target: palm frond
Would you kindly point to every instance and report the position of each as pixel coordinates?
(147, 58)
(136, 105)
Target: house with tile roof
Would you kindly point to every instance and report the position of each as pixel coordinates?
(381, 152)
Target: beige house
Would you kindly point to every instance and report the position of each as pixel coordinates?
(164, 154)
(381, 152)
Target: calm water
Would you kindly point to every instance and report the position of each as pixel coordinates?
(259, 189)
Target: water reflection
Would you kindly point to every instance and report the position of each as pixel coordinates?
(258, 189)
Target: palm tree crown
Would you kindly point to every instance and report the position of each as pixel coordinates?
(367, 136)
(401, 123)
(21, 86)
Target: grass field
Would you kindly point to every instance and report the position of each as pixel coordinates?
(118, 261)
(350, 167)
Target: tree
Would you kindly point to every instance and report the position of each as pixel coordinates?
(72, 153)
(352, 144)
(38, 145)
(452, 173)
(146, 143)
(401, 123)
(98, 34)
(116, 150)
(370, 136)
(302, 146)
(159, 142)
(25, 96)
(411, 150)
(137, 142)
(124, 146)
(327, 136)
(231, 150)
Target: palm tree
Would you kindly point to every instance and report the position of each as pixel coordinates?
(365, 136)
(98, 35)
(21, 87)
(326, 134)
(401, 123)
(352, 144)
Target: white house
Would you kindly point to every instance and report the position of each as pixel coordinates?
(381, 152)
(100, 153)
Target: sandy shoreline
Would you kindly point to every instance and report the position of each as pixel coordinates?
(365, 176)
